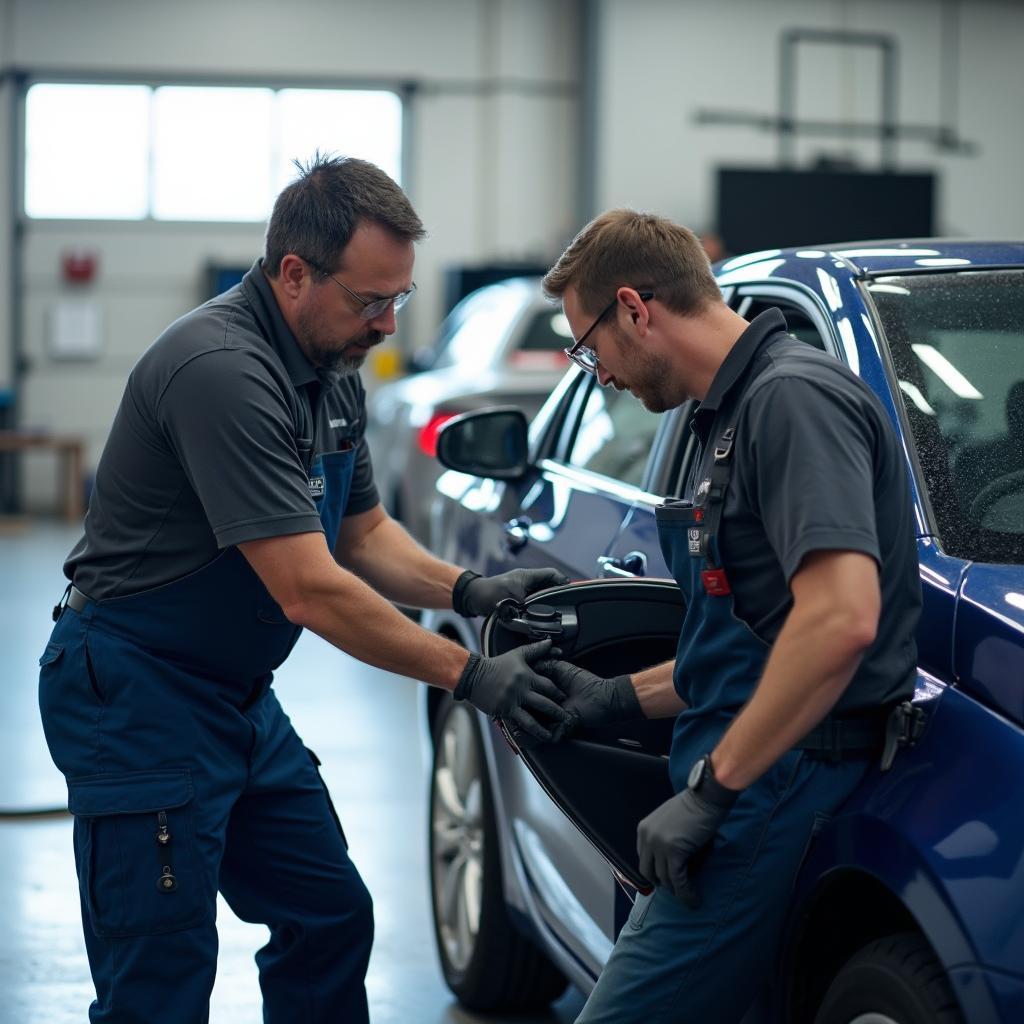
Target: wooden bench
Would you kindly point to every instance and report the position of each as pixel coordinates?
(72, 459)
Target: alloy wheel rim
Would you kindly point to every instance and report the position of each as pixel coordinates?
(456, 815)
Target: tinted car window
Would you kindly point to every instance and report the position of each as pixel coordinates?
(615, 435)
(957, 344)
(547, 331)
(797, 321)
(542, 343)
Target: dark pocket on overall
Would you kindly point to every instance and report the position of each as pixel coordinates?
(327, 794)
(51, 655)
(137, 864)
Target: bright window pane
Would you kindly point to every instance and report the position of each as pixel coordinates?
(211, 153)
(86, 151)
(344, 122)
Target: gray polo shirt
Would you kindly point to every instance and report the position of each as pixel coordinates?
(204, 454)
(817, 466)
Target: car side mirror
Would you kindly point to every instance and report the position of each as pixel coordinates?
(490, 443)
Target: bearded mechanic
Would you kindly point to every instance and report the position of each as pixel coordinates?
(234, 487)
(794, 550)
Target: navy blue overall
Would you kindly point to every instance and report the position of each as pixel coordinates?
(185, 777)
(672, 963)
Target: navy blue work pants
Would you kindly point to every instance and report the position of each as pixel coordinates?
(181, 786)
(675, 965)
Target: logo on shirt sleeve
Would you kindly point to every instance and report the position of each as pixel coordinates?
(317, 485)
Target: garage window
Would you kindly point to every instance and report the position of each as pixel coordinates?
(190, 153)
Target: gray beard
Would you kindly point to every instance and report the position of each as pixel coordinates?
(338, 360)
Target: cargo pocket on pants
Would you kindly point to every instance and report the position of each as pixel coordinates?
(135, 837)
(327, 794)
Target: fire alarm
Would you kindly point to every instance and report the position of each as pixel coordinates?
(79, 265)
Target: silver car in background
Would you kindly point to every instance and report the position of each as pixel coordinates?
(501, 345)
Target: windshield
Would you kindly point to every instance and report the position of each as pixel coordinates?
(957, 343)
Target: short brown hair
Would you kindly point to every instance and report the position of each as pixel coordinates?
(316, 215)
(642, 250)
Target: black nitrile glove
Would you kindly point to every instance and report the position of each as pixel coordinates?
(479, 595)
(672, 834)
(591, 700)
(507, 687)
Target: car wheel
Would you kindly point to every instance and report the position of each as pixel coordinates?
(895, 980)
(487, 964)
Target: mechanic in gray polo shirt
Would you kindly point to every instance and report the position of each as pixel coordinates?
(233, 489)
(794, 549)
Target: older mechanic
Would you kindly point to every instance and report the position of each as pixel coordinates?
(234, 481)
(794, 549)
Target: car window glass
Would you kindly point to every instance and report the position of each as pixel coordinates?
(548, 331)
(547, 429)
(798, 322)
(957, 345)
(614, 436)
(542, 342)
(482, 328)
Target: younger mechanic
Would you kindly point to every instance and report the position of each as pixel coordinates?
(233, 487)
(794, 550)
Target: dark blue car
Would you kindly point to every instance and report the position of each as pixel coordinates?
(909, 905)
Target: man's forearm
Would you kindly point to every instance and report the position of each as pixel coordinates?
(395, 565)
(656, 692)
(349, 614)
(809, 668)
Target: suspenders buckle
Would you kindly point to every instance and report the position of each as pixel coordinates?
(724, 447)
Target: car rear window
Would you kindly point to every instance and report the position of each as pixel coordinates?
(957, 344)
(541, 345)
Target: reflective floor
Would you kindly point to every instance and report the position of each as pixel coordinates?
(362, 724)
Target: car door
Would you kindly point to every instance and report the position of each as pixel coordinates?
(591, 452)
(603, 779)
(589, 463)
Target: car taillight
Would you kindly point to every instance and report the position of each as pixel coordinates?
(427, 437)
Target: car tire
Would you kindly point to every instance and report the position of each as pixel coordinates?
(893, 980)
(486, 962)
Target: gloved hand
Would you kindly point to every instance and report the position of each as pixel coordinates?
(507, 687)
(671, 835)
(479, 595)
(590, 699)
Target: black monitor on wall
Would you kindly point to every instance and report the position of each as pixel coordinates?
(770, 208)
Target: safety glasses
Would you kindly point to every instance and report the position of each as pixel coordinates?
(371, 308)
(584, 355)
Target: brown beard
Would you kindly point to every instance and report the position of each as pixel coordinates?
(648, 378)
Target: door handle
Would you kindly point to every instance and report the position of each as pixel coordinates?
(517, 533)
(629, 566)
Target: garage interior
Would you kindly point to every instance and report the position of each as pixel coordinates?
(509, 123)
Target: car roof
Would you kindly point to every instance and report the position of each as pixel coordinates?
(859, 259)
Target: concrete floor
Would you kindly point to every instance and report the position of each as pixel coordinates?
(360, 721)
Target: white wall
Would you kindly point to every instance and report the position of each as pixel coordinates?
(491, 172)
(6, 184)
(661, 60)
